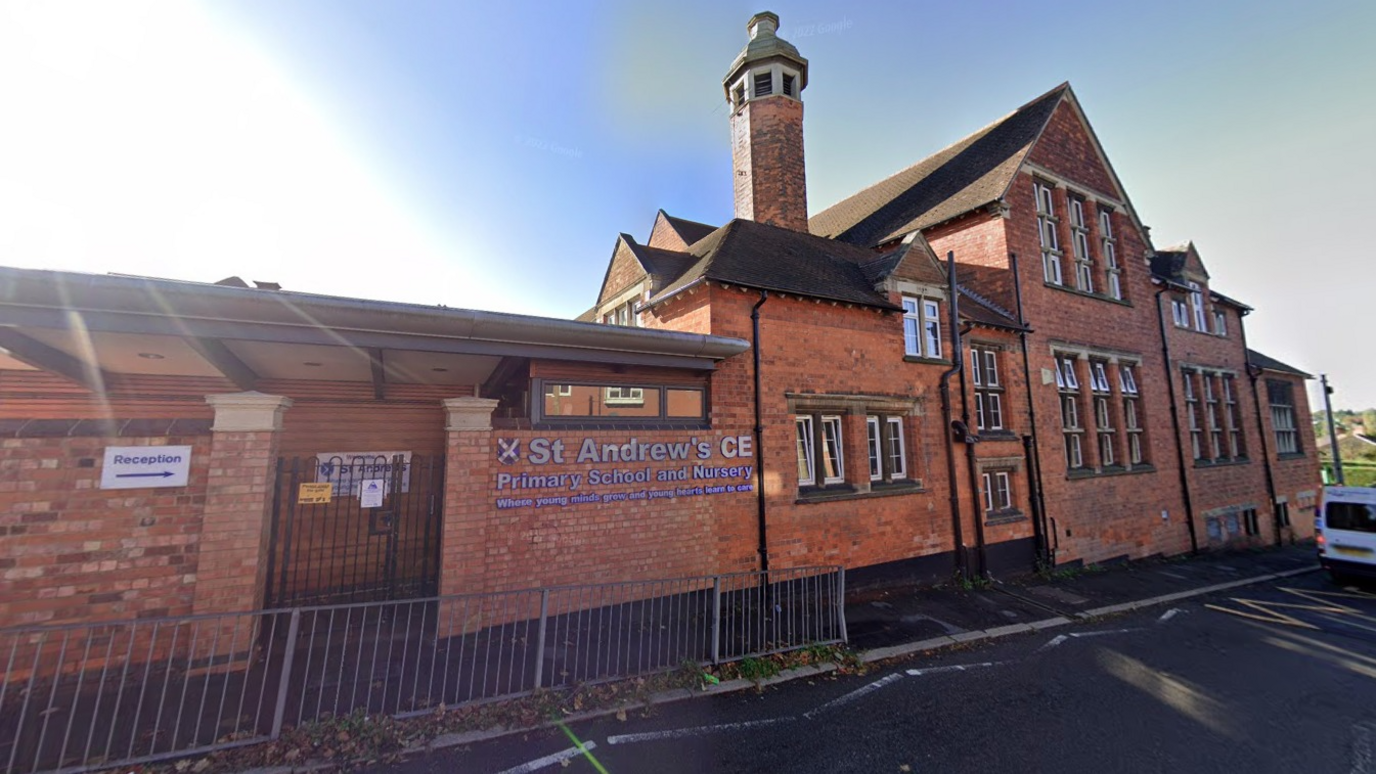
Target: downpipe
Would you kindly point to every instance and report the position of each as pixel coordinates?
(1040, 527)
(1175, 423)
(971, 464)
(948, 424)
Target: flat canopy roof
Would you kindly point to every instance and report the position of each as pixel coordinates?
(80, 325)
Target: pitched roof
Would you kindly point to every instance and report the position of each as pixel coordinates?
(1217, 296)
(972, 172)
(767, 257)
(1271, 364)
(983, 311)
(690, 230)
(663, 266)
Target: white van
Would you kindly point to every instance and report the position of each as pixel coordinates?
(1345, 529)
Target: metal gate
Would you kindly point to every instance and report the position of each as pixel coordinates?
(375, 536)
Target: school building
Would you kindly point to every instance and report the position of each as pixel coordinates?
(979, 364)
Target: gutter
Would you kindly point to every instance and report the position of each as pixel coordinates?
(1175, 421)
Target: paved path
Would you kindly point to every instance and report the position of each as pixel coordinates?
(1278, 677)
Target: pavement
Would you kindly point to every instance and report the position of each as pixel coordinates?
(892, 622)
(918, 627)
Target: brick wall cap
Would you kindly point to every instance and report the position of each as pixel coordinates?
(469, 413)
(247, 412)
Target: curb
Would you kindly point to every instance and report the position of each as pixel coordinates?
(980, 635)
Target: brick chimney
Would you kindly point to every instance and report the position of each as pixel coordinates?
(764, 89)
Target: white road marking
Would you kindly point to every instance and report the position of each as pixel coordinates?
(1169, 614)
(855, 694)
(1057, 640)
(550, 760)
(1101, 634)
(680, 733)
(953, 668)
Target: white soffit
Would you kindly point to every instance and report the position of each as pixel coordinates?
(271, 360)
(129, 353)
(409, 367)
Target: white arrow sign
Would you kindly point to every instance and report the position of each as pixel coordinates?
(145, 467)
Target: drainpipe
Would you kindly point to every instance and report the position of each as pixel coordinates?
(957, 366)
(1253, 372)
(972, 466)
(1029, 442)
(759, 435)
(1175, 422)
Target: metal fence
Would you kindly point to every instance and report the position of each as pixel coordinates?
(89, 696)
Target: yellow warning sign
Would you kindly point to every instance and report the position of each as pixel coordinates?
(315, 494)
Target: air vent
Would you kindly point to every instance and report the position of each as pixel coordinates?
(788, 86)
(764, 84)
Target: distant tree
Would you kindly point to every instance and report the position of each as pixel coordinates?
(1369, 422)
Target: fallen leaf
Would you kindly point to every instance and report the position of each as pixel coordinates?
(621, 714)
(904, 767)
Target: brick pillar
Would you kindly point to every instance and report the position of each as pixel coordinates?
(467, 500)
(231, 574)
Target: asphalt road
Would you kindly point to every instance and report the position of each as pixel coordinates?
(1270, 678)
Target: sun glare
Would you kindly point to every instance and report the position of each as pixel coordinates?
(153, 138)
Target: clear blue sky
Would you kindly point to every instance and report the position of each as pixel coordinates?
(487, 155)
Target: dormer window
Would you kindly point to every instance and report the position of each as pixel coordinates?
(764, 84)
(789, 90)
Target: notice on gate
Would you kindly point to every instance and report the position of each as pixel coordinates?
(314, 494)
(143, 467)
(348, 470)
(371, 493)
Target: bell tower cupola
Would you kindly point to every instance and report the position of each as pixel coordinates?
(764, 90)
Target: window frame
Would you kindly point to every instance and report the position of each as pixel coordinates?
(1232, 412)
(804, 439)
(881, 431)
(1079, 243)
(545, 387)
(923, 314)
(1072, 426)
(1180, 311)
(1287, 435)
(1049, 239)
(1108, 247)
(998, 491)
(1197, 310)
(988, 388)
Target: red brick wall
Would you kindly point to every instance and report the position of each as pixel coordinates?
(1296, 477)
(809, 347)
(1097, 517)
(597, 542)
(1066, 147)
(72, 551)
(623, 270)
(1216, 487)
(767, 146)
